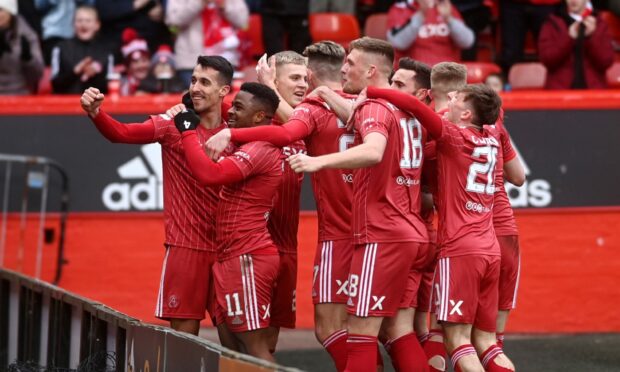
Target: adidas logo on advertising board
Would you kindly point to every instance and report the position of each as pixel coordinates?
(146, 195)
(533, 193)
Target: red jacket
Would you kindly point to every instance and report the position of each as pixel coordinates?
(556, 50)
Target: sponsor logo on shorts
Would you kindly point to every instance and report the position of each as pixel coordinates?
(347, 178)
(476, 207)
(173, 302)
(349, 302)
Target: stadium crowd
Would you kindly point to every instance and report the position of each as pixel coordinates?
(150, 46)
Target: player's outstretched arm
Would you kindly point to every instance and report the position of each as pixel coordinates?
(205, 171)
(426, 116)
(342, 107)
(366, 154)
(110, 128)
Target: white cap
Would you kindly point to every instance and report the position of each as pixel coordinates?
(9, 5)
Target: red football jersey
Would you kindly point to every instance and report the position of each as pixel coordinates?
(333, 188)
(189, 208)
(503, 216)
(467, 161)
(245, 206)
(433, 43)
(386, 196)
(284, 220)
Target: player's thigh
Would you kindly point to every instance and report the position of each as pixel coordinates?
(509, 272)
(332, 261)
(378, 277)
(284, 305)
(486, 314)
(244, 289)
(185, 284)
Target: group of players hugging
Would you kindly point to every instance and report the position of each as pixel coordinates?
(389, 153)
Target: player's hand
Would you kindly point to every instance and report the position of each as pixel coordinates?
(304, 163)
(217, 143)
(187, 101)
(266, 72)
(590, 24)
(318, 92)
(176, 109)
(186, 120)
(91, 100)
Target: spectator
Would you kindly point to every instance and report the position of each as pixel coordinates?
(21, 63)
(206, 27)
(575, 46)
(430, 31)
(477, 16)
(516, 18)
(332, 6)
(82, 61)
(163, 77)
(285, 19)
(144, 16)
(137, 60)
(495, 82)
(56, 24)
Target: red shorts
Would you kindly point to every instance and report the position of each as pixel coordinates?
(426, 282)
(186, 285)
(332, 262)
(509, 271)
(244, 287)
(283, 305)
(380, 276)
(468, 290)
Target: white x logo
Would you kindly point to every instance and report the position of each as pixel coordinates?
(342, 287)
(266, 310)
(456, 307)
(378, 303)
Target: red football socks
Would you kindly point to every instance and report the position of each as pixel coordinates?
(407, 354)
(336, 346)
(361, 353)
(488, 360)
(460, 352)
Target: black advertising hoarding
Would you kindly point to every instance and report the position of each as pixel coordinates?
(570, 158)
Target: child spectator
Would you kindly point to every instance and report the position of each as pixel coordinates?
(82, 61)
(163, 77)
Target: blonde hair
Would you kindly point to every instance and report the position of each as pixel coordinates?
(448, 77)
(289, 57)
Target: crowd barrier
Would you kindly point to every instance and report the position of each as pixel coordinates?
(44, 325)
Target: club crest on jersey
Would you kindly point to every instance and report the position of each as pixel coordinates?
(173, 302)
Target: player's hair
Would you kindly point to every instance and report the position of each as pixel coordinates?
(422, 71)
(484, 101)
(221, 65)
(87, 7)
(264, 95)
(448, 77)
(325, 59)
(376, 47)
(289, 57)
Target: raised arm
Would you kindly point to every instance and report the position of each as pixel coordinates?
(278, 135)
(406, 102)
(341, 106)
(111, 128)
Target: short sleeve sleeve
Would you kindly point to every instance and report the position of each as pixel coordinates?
(373, 117)
(254, 157)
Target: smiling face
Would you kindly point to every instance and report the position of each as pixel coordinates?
(205, 89)
(86, 24)
(245, 111)
(139, 66)
(292, 82)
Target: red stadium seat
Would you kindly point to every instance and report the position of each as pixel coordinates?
(256, 35)
(45, 84)
(613, 76)
(477, 72)
(530, 75)
(613, 22)
(340, 28)
(376, 26)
